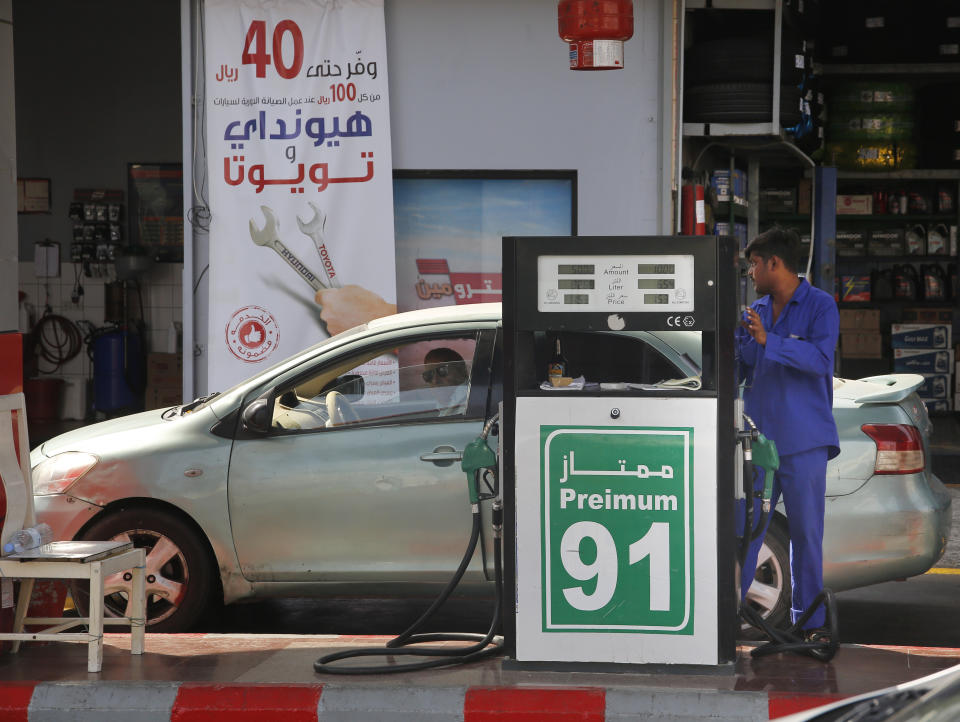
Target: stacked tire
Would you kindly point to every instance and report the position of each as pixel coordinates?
(729, 80)
(728, 71)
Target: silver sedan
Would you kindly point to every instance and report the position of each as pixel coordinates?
(335, 472)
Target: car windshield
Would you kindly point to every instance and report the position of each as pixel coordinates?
(688, 345)
(199, 403)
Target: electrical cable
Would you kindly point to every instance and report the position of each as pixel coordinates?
(57, 339)
(200, 215)
(196, 283)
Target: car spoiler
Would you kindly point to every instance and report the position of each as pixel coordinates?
(886, 389)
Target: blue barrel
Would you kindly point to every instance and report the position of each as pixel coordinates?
(118, 371)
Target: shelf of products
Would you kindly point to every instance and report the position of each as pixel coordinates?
(890, 77)
(887, 70)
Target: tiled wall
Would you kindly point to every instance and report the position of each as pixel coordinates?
(161, 288)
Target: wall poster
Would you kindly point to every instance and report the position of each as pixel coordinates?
(299, 164)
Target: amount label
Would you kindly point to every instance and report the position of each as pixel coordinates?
(617, 540)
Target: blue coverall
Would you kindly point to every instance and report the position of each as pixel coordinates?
(789, 395)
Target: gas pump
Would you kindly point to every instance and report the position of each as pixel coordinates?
(619, 486)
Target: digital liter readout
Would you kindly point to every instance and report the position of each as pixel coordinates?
(621, 283)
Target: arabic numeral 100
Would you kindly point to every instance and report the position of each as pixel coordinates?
(343, 91)
(257, 37)
(654, 544)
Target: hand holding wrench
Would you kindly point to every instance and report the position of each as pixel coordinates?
(268, 237)
(314, 229)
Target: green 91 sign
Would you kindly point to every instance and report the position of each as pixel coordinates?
(617, 542)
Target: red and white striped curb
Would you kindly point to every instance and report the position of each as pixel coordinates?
(186, 702)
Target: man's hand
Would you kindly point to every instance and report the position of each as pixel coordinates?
(346, 307)
(754, 326)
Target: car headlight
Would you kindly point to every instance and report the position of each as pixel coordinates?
(58, 473)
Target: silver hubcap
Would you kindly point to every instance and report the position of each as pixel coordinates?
(768, 583)
(166, 575)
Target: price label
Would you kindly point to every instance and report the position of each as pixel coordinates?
(617, 540)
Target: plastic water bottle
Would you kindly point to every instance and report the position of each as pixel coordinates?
(29, 538)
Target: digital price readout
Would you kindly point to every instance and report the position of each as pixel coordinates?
(653, 283)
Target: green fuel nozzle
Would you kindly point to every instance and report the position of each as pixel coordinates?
(478, 456)
(761, 451)
(766, 457)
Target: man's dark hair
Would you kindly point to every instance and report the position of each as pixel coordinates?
(781, 242)
(456, 370)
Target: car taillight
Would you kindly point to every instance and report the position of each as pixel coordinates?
(899, 448)
(56, 474)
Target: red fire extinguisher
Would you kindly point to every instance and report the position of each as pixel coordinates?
(693, 211)
(596, 31)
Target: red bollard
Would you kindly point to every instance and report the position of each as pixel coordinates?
(11, 382)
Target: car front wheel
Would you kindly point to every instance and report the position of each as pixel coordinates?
(178, 572)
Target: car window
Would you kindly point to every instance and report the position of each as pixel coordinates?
(609, 357)
(419, 380)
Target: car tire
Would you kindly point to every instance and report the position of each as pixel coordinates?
(769, 595)
(741, 59)
(739, 103)
(179, 569)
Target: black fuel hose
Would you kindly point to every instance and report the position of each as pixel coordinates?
(792, 639)
(486, 645)
(747, 537)
(751, 532)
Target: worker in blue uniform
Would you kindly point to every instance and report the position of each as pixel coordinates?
(785, 346)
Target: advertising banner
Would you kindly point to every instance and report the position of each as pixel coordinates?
(300, 179)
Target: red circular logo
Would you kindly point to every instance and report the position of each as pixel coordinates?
(252, 334)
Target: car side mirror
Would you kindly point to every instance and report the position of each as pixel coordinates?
(257, 416)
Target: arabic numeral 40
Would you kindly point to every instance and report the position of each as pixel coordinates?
(257, 37)
(343, 91)
(654, 544)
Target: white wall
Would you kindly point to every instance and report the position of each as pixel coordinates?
(487, 85)
(8, 175)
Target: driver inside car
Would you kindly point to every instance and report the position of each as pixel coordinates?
(444, 367)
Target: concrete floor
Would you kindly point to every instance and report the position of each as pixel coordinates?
(259, 659)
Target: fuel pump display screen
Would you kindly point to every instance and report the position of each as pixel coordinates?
(615, 283)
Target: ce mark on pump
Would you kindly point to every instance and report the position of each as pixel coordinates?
(680, 321)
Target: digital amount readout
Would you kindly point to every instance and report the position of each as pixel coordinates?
(658, 283)
(577, 283)
(615, 283)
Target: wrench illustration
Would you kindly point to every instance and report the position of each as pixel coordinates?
(314, 229)
(268, 237)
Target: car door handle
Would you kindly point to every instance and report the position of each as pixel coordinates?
(443, 454)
